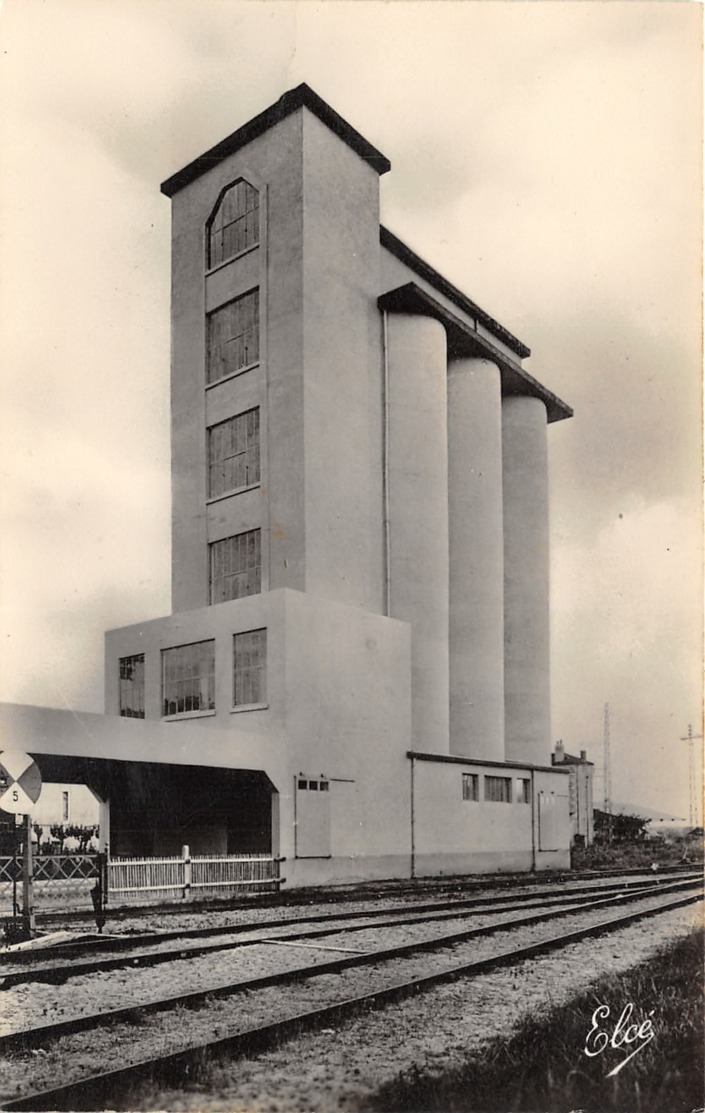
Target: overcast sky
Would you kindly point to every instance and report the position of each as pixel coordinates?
(545, 158)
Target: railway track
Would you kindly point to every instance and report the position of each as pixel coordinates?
(368, 979)
(133, 951)
(366, 891)
(98, 943)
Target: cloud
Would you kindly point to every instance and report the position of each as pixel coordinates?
(623, 634)
(545, 159)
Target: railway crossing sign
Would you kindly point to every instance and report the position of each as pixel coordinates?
(20, 782)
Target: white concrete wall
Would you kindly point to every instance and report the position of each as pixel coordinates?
(526, 572)
(418, 514)
(84, 808)
(338, 704)
(273, 163)
(349, 717)
(52, 730)
(342, 369)
(452, 835)
(319, 379)
(476, 550)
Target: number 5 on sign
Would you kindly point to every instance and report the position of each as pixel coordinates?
(20, 782)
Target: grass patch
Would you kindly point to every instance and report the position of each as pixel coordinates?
(542, 1067)
(640, 855)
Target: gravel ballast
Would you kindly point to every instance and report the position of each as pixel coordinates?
(341, 1070)
(89, 1051)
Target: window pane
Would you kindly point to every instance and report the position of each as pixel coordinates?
(234, 226)
(188, 678)
(233, 336)
(236, 566)
(523, 791)
(132, 686)
(250, 668)
(498, 789)
(233, 453)
(470, 786)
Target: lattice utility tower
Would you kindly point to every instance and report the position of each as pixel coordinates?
(690, 738)
(607, 772)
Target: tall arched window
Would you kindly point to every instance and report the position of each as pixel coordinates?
(234, 224)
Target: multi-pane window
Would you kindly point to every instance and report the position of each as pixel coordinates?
(305, 784)
(236, 566)
(471, 786)
(233, 336)
(234, 226)
(498, 789)
(132, 686)
(250, 668)
(523, 790)
(188, 678)
(233, 453)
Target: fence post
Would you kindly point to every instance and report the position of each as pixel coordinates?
(186, 855)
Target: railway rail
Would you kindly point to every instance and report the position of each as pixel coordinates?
(34, 966)
(89, 943)
(91, 1091)
(364, 891)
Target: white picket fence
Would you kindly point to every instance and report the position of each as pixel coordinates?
(185, 877)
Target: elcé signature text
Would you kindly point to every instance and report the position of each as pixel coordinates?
(623, 1034)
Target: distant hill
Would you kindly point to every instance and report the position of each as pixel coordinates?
(648, 813)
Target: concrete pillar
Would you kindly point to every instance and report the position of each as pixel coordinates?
(417, 498)
(526, 617)
(476, 559)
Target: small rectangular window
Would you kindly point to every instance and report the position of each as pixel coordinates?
(64, 806)
(233, 454)
(132, 686)
(188, 678)
(302, 784)
(324, 786)
(498, 790)
(250, 668)
(523, 790)
(233, 337)
(235, 566)
(471, 787)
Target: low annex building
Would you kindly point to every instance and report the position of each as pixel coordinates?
(355, 674)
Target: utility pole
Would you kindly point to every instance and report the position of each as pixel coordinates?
(607, 776)
(692, 778)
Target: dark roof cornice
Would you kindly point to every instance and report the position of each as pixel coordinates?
(425, 270)
(300, 97)
(453, 759)
(464, 340)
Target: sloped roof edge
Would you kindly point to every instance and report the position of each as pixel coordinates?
(302, 96)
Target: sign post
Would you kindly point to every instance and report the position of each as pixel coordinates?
(29, 927)
(20, 787)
